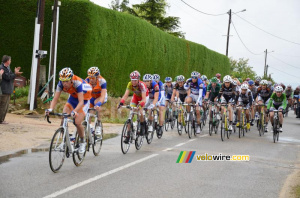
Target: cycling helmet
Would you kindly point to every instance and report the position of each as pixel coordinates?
(93, 72)
(270, 84)
(247, 79)
(218, 75)
(227, 78)
(180, 78)
(175, 79)
(203, 77)
(66, 74)
(214, 80)
(251, 82)
(240, 79)
(244, 86)
(278, 89)
(289, 86)
(147, 77)
(156, 77)
(135, 75)
(258, 79)
(194, 74)
(168, 79)
(263, 82)
(234, 82)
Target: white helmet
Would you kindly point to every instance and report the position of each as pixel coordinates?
(194, 74)
(244, 86)
(147, 77)
(278, 89)
(180, 78)
(234, 82)
(227, 78)
(263, 82)
(156, 77)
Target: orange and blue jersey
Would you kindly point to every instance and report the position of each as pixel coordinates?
(101, 84)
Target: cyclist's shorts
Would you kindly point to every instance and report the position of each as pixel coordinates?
(136, 99)
(266, 102)
(212, 98)
(158, 104)
(92, 101)
(225, 100)
(168, 96)
(162, 102)
(182, 97)
(241, 103)
(195, 99)
(276, 107)
(73, 102)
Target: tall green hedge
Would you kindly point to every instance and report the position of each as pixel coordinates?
(118, 43)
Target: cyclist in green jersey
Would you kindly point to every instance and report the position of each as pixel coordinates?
(277, 101)
(212, 93)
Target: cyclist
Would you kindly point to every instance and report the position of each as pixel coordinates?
(257, 81)
(169, 87)
(277, 101)
(228, 95)
(195, 90)
(253, 89)
(204, 80)
(212, 93)
(140, 94)
(218, 75)
(180, 94)
(161, 102)
(78, 102)
(297, 101)
(289, 92)
(244, 98)
(263, 95)
(99, 92)
(154, 97)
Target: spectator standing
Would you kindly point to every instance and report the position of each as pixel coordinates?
(7, 85)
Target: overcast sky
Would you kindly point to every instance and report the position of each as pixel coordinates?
(277, 17)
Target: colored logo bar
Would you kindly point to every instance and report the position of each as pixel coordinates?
(189, 157)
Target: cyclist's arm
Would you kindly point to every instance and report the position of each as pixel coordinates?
(55, 99)
(188, 92)
(270, 103)
(250, 98)
(173, 94)
(103, 94)
(156, 94)
(126, 94)
(284, 102)
(80, 104)
(143, 101)
(207, 94)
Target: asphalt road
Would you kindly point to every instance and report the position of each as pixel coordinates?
(153, 171)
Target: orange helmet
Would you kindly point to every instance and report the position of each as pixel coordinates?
(93, 71)
(66, 74)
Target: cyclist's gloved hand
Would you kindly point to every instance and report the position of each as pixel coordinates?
(98, 104)
(267, 111)
(47, 111)
(121, 103)
(206, 99)
(151, 106)
(74, 114)
(283, 111)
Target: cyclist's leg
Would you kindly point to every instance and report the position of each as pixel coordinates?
(161, 112)
(266, 116)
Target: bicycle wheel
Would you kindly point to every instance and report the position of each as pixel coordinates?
(259, 127)
(217, 126)
(57, 151)
(185, 126)
(125, 147)
(179, 130)
(98, 140)
(167, 120)
(173, 120)
(222, 131)
(139, 139)
(79, 157)
(210, 128)
(262, 124)
(149, 134)
(275, 130)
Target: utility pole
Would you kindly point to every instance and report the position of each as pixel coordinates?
(265, 69)
(53, 48)
(228, 32)
(41, 16)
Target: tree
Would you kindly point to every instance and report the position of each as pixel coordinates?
(241, 69)
(154, 12)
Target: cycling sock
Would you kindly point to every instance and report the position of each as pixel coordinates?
(230, 122)
(81, 140)
(280, 125)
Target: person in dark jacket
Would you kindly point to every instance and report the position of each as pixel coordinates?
(1, 72)
(7, 85)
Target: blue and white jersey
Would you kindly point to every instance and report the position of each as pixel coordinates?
(154, 88)
(195, 88)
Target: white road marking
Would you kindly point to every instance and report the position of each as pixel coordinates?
(180, 144)
(70, 188)
(168, 149)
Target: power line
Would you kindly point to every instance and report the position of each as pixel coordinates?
(201, 11)
(243, 42)
(287, 55)
(268, 32)
(284, 62)
(285, 72)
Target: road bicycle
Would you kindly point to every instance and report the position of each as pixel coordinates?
(62, 145)
(190, 120)
(275, 126)
(224, 123)
(243, 121)
(169, 117)
(134, 132)
(214, 120)
(261, 120)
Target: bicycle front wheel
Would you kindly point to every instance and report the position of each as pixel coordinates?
(139, 139)
(149, 134)
(222, 131)
(57, 151)
(167, 120)
(125, 146)
(79, 157)
(190, 129)
(98, 140)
